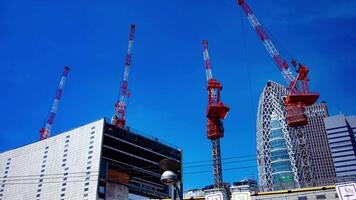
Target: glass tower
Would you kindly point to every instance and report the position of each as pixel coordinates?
(291, 157)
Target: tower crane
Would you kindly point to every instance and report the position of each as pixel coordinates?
(119, 118)
(46, 128)
(299, 96)
(215, 113)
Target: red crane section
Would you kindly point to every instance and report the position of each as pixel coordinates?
(119, 118)
(215, 113)
(46, 129)
(216, 110)
(299, 95)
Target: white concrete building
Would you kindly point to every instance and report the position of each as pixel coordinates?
(94, 161)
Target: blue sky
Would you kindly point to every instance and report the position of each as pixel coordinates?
(167, 79)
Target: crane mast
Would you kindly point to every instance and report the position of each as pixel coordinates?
(119, 118)
(215, 113)
(46, 129)
(299, 95)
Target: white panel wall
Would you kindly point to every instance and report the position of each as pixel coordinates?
(62, 167)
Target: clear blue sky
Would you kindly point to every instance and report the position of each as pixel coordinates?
(167, 80)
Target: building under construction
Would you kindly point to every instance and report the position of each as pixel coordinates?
(95, 161)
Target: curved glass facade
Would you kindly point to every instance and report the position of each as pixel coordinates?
(276, 163)
(282, 175)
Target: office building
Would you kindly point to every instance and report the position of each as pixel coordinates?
(94, 161)
(286, 155)
(323, 171)
(341, 132)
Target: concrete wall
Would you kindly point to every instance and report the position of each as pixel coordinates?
(62, 167)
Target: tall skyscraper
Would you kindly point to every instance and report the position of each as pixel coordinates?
(341, 132)
(286, 155)
(322, 165)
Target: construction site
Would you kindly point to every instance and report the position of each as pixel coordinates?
(109, 159)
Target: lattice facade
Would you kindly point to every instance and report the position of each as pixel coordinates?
(291, 157)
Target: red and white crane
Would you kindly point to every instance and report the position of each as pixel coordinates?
(215, 113)
(118, 118)
(46, 129)
(299, 95)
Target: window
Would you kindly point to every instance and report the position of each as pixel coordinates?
(92, 132)
(63, 189)
(44, 157)
(90, 147)
(91, 142)
(65, 155)
(66, 174)
(86, 189)
(64, 160)
(43, 166)
(62, 195)
(89, 162)
(90, 152)
(64, 184)
(65, 150)
(302, 198)
(89, 157)
(67, 141)
(47, 147)
(86, 194)
(66, 169)
(45, 152)
(63, 165)
(38, 195)
(88, 173)
(86, 184)
(321, 196)
(88, 167)
(65, 178)
(39, 185)
(92, 137)
(39, 190)
(6, 172)
(41, 180)
(92, 127)
(68, 136)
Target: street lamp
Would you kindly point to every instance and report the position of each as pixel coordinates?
(169, 176)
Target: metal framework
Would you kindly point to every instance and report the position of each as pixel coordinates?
(271, 108)
(46, 129)
(119, 118)
(271, 104)
(216, 112)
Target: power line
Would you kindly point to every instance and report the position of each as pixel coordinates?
(226, 158)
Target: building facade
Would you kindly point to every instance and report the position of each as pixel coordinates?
(323, 170)
(286, 155)
(96, 161)
(341, 131)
